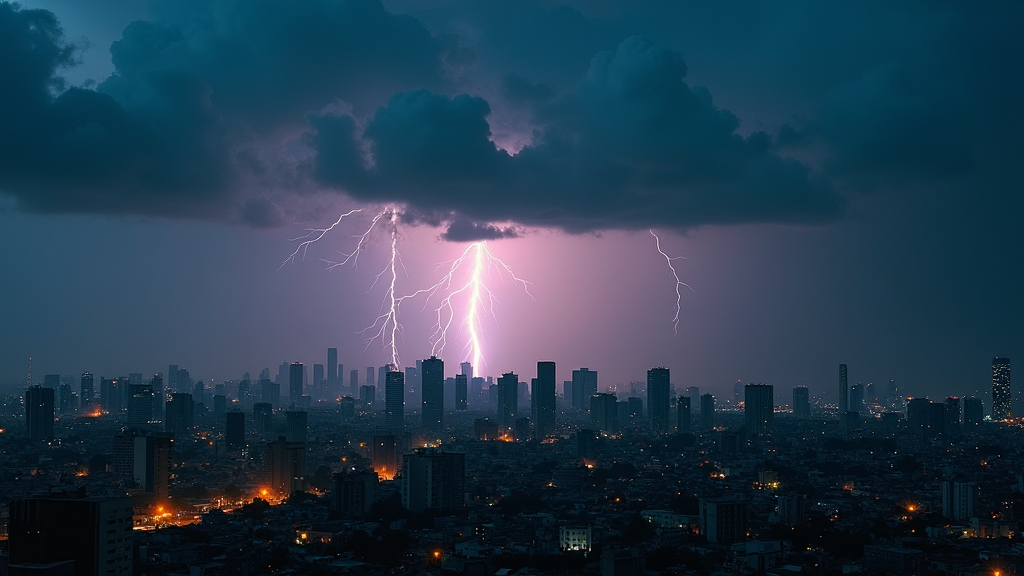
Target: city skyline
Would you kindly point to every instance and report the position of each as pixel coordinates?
(858, 192)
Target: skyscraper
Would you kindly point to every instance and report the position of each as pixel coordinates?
(584, 385)
(974, 411)
(844, 399)
(145, 457)
(508, 399)
(87, 392)
(856, 398)
(262, 416)
(178, 414)
(140, 404)
(295, 383)
(466, 369)
(801, 402)
(461, 392)
(1001, 391)
(298, 425)
(432, 377)
(759, 408)
(333, 372)
(433, 479)
(543, 400)
(286, 466)
(39, 413)
(319, 382)
(707, 412)
(394, 399)
(658, 399)
(384, 456)
(683, 414)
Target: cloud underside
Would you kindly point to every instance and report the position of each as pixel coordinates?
(221, 112)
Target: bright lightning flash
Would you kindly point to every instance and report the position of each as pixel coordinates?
(679, 283)
(313, 235)
(472, 268)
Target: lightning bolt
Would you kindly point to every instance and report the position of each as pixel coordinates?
(476, 263)
(679, 283)
(313, 235)
(385, 326)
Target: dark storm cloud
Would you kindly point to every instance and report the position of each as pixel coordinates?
(634, 146)
(180, 128)
(466, 231)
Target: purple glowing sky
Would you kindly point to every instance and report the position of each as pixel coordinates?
(877, 223)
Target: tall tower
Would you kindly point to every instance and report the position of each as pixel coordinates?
(295, 383)
(394, 399)
(433, 392)
(543, 399)
(87, 392)
(1001, 401)
(508, 399)
(683, 415)
(39, 413)
(658, 399)
(801, 402)
(759, 408)
(466, 369)
(332, 372)
(844, 398)
(584, 385)
(707, 412)
(461, 392)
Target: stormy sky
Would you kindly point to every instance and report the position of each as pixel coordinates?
(843, 179)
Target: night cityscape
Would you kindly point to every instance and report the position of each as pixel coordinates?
(511, 288)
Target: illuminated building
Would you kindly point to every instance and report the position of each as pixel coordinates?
(844, 391)
(286, 465)
(707, 412)
(574, 538)
(543, 400)
(94, 532)
(140, 404)
(801, 402)
(508, 399)
(658, 399)
(87, 392)
(584, 385)
(384, 456)
(683, 414)
(39, 413)
(432, 377)
(432, 478)
(394, 399)
(145, 457)
(759, 408)
(295, 376)
(724, 520)
(1001, 391)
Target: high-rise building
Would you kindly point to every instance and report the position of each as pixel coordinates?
(286, 466)
(959, 500)
(262, 417)
(141, 404)
(319, 382)
(179, 413)
(658, 399)
(295, 377)
(432, 378)
(974, 411)
(353, 383)
(759, 408)
(367, 396)
(724, 520)
(333, 372)
(584, 385)
(542, 399)
(384, 456)
(801, 402)
(354, 492)
(433, 479)
(87, 392)
(508, 399)
(683, 414)
(95, 533)
(604, 412)
(270, 393)
(1001, 391)
(466, 369)
(39, 413)
(371, 376)
(857, 398)
(461, 392)
(952, 413)
(145, 457)
(298, 425)
(844, 391)
(394, 400)
(707, 412)
(234, 429)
